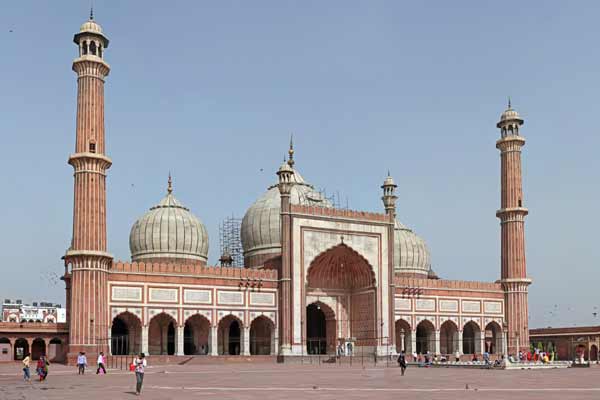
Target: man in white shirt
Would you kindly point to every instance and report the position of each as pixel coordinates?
(101, 364)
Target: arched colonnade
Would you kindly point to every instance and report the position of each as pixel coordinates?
(197, 336)
(448, 338)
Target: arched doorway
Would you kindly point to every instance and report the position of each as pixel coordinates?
(261, 336)
(320, 329)
(448, 338)
(125, 334)
(5, 349)
(425, 337)
(21, 349)
(471, 338)
(343, 278)
(38, 348)
(161, 334)
(493, 338)
(594, 353)
(403, 336)
(55, 350)
(196, 335)
(230, 336)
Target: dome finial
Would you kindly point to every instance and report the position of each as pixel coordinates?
(509, 106)
(91, 11)
(170, 184)
(291, 151)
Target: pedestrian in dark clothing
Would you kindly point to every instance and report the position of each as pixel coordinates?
(402, 362)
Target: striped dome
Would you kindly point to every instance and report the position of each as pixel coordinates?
(169, 231)
(411, 254)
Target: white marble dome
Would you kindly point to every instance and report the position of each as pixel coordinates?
(169, 231)
(411, 254)
(91, 26)
(261, 229)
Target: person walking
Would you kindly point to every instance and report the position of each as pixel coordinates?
(81, 363)
(402, 362)
(26, 373)
(140, 366)
(101, 363)
(42, 368)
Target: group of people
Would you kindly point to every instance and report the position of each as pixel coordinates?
(138, 366)
(82, 363)
(533, 356)
(41, 368)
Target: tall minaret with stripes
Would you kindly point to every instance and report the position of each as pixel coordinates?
(512, 214)
(87, 261)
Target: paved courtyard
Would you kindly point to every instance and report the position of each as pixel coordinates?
(273, 381)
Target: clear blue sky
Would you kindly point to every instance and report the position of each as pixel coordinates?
(212, 90)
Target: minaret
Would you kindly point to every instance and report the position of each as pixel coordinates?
(389, 195)
(285, 174)
(87, 261)
(512, 222)
(389, 203)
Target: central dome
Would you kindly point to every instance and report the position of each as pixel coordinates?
(261, 226)
(411, 255)
(169, 232)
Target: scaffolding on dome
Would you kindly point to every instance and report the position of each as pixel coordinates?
(335, 199)
(231, 241)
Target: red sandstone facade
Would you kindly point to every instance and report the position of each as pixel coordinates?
(334, 287)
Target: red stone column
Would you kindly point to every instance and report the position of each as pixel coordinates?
(87, 259)
(512, 221)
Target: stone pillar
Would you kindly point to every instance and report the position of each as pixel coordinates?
(482, 348)
(246, 340)
(214, 341)
(437, 342)
(504, 344)
(402, 347)
(30, 345)
(274, 342)
(460, 342)
(179, 341)
(226, 341)
(47, 347)
(109, 335)
(413, 341)
(145, 339)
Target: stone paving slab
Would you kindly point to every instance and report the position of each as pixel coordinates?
(289, 382)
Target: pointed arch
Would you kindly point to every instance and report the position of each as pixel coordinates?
(340, 267)
(448, 337)
(493, 338)
(403, 336)
(125, 334)
(161, 334)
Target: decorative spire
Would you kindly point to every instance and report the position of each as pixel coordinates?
(291, 152)
(509, 106)
(92, 11)
(170, 184)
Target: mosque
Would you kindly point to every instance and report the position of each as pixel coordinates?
(317, 279)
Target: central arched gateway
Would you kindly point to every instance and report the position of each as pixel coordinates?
(340, 303)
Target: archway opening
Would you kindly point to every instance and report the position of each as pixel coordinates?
(161, 334)
(594, 353)
(425, 337)
(125, 334)
(448, 338)
(341, 276)
(261, 336)
(471, 338)
(21, 349)
(230, 336)
(493, 338)
(38, 348)
(5, 349)
(403, 337)
(196, 335)
(318, 328)
(55, 350)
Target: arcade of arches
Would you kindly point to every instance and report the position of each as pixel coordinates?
(343, 277)
(53, 348)
(449, 339)
(197, 336)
